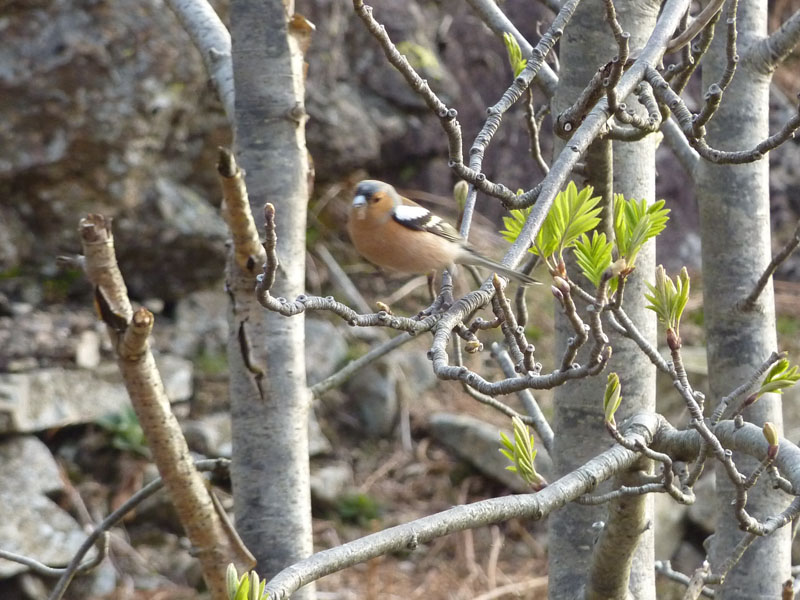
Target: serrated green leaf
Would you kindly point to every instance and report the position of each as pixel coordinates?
(593, 256)
(513, 223)
(634, 223)
(572, 214)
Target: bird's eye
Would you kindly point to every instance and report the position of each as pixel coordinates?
(376, 197)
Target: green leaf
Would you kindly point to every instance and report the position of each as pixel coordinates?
(635, 223)
(668, 299)
(521, 453)
(593, 256)
(514, 54)
(611, 398)
(513, 224)
(244, 588)
(573, 214)
(779, 378)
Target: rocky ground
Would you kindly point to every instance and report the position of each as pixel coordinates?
(390, 446)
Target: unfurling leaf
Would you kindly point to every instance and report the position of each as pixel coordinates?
(593, 256)
(779, 378)
(634, 223)
(771, 435)
(460, 190)
(612, 398)
(668, 299)
(514, 54)
(246, 587)
(521, 454)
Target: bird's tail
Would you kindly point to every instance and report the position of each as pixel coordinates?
(472, 257)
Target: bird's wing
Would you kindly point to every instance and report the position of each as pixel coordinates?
(412, 215)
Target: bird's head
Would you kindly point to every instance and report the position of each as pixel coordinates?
(372, 192)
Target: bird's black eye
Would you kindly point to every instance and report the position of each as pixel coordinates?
(376, 197)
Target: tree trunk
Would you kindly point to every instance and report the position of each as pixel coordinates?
(270, 400)
(735, 229)
(578, 422)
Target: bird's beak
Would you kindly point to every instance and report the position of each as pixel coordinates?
(360, 206)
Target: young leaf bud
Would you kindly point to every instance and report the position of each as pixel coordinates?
(771, 435)
(673, 340)
(460, 190)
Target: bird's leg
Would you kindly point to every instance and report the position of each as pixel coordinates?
(445, 298)
(431, 294)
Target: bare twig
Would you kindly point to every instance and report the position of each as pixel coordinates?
(248, 252)
(664, 568)
(341, 280)
(491, 14)
(100, 531)
(351, 368)
(664, 93)
(538, 420)
(750, 301)
(713, 96)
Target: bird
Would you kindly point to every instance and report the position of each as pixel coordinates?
(398, 234)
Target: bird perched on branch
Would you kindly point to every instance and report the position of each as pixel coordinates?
(400, 235)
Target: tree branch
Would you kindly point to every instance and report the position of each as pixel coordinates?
(487, 512)
(494, 18)
(749, 302)
(129, 331)
(212, 39)
(781, 42)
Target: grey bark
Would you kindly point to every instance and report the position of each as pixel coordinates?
(735, 229)
(578, 414)
(635, 177)
(270, 470)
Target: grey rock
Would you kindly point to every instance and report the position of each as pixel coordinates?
(30, 523)
(45, 398)
(177, 374)
(209, 436)
(318, 443)
(176, 219)
(478, 444)
(42, 338)
(703, 513)
(326, 349)
(687, 558)
(373, 393)
(417, 372)
(201, 324)
(329, 482)
(670, 525)
(87, 349)
(122, 97)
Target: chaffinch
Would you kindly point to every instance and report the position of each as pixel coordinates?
(400, 235)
